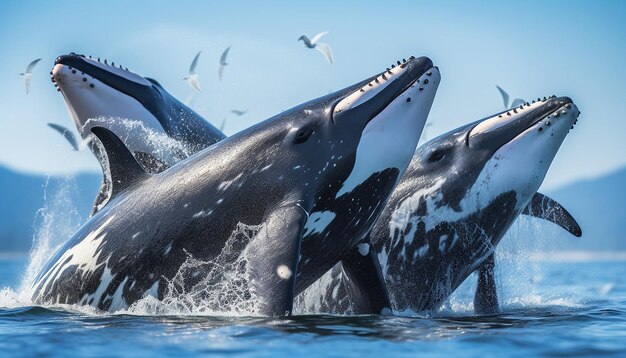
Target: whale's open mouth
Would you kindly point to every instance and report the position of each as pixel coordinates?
(373, 96)
(496, 131)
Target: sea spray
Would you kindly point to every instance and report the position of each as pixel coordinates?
(217, 287)
(54, 224)
(518, 276)
(161, 146)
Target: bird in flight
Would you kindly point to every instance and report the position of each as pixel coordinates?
(325, 49)
(223, 63)
(66, 133)
(192, 78)
(505, 98)
(239, 112)
(29, 73)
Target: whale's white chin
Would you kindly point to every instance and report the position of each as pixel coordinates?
(523, 162)
(87, 98)
(390, 138)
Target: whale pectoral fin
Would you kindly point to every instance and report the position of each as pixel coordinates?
(543, 207)
(274, 263)
(123, 168)
(364, 281)
(486, 296)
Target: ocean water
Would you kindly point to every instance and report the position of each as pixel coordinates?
(555, 305)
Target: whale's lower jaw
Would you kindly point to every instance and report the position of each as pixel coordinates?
(87, 98)
(91, 102)
(389, 139)
(521, 164)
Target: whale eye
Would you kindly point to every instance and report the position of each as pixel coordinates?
(302, 136)
(437, 155)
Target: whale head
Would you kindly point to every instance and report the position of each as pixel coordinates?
(93, 89)
(346, 138)
(460, 195)
(338, 157)
(521, 144)
(493, 165)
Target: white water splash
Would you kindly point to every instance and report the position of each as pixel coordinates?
(59, 218)
(144, 138)
(219, 287)
(223, 289)
(518, 275)
(54, 224)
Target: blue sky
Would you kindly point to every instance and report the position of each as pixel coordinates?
(530, 48)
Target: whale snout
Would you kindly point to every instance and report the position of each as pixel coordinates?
(64, 77)
(557, 102)
(371, 97)
(116, 76)
(420, 64)
(565, 100)
(493, 132)
(559, 121)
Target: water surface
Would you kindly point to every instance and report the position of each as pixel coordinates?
(557, 309)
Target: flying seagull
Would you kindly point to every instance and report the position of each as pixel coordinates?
(321, 47)
(239, 112)
(29, 73)
(222, 125)
(505, 98)
(192, 78)
(223, 63)
(65, 133)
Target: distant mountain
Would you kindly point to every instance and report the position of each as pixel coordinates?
(26, 201)
(599, 205)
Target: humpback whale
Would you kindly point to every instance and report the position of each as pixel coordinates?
(461, 193)
(328, 163)
(99, 94)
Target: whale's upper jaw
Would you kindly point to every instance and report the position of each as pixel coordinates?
(372, 96)
(494, 132)
(119, 78)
